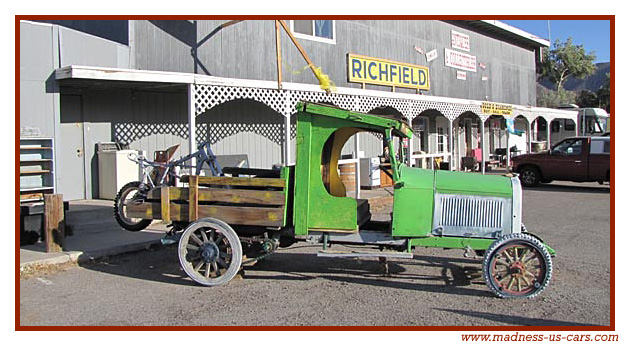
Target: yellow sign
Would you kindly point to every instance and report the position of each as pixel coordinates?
(495, 108)
(363, 69)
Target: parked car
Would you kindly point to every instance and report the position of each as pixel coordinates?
(577, 159)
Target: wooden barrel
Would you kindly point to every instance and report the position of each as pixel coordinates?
(347, 173)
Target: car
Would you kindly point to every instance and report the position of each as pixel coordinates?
(579, 159)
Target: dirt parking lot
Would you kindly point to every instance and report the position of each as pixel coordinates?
(294, 287)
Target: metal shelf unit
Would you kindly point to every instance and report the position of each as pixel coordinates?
(37, 168)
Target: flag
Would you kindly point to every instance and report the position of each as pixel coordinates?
(510, 127)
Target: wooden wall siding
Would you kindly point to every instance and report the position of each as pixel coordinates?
(247, 50)
(155, 121)
(245, 127)
(148, 121)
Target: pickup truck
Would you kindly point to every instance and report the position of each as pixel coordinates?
(577, 159)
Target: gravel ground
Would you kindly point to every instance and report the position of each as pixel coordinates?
(294, 287)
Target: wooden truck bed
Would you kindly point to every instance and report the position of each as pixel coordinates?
(235, 200)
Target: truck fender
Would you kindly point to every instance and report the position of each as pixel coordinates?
(552, 252)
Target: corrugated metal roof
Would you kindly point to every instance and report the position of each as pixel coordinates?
(504, 31)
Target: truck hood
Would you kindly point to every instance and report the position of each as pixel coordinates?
(461, 183)
(524, 156)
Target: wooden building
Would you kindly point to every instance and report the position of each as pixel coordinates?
(153, 84)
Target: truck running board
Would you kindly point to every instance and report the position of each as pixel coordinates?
(387, 254)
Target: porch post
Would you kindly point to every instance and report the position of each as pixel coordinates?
(192, 140)
(548, 134)
(450, 142)
(287, 129)
(483, 146)
(528, 133)
(507, 147)
(410, 146)
(357, 167)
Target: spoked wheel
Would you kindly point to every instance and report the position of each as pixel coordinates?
(210, 252)
(517, 266)
(126, 195)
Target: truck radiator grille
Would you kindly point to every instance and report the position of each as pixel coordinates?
(473, 216)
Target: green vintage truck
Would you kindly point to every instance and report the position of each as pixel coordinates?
(223, 222)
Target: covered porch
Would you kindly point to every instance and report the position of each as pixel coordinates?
(446, 130)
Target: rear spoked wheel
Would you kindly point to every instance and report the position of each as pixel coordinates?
(132, 192)
(517, 266)
(210, 252)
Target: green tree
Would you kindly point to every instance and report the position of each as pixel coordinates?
(566, 60)
(586, 98)
(552, 98)
(603, 94)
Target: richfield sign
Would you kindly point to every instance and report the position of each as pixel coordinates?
(363, 69)
(460, 60)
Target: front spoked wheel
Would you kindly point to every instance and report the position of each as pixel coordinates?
(517, 266)
(210, 252)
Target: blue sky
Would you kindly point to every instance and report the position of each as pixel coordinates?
(593, 34)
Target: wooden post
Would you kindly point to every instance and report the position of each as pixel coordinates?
(193, 197)
(165, 200)
(278, 55)
(54, 222)
(300, 49)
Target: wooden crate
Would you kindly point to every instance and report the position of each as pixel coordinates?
(235, 200)
(386, 180)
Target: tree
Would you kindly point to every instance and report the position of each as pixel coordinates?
(551, 98)
(586, 98)
(566, 60)
(603, 94)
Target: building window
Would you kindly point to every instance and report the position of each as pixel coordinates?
(555, 126)
(318, 30)
(441, 140)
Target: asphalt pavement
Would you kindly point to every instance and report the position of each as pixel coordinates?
(294, 287)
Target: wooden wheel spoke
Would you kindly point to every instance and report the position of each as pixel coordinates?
(509, 286)
(192, 247)
(221, 262)
(527, 283)
(518, 284)
(204, 236)
(502, 262)
(219, 238)
(506, 255)
(215, 268)
(525, 252)
(190, 257)
(503, 278)
(534, 257)
(198, 266)
(196, 239)
(527, 272)
(207, 270)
